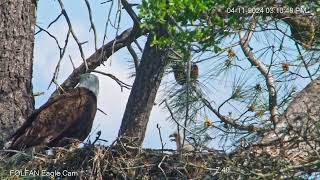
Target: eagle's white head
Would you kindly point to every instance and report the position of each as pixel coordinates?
(90, 81)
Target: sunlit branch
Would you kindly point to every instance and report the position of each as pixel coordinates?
(249, 128)
(262, 68)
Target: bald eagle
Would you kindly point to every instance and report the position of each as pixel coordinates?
(177, 138)
(66, 116)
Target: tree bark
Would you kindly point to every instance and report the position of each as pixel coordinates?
(143, 93)
(304, 108)
(17, 22)
(296, 134)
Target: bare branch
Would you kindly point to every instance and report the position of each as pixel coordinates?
(62, 52)
(131, 13)
(249, 128)
(118, 16)
(134, 56)
(121, 83)
(51, 35)
(92, 26)
(127, 37)
(100, 110)
(37, 94)
(159, 130)
(303, 61)
(159, 166)
(63, 11)
(104, 2)
(107, 22)
(55, 20)
(262, 68)
(175, 120)
(97, 137)
(72, 63)
(138, 45)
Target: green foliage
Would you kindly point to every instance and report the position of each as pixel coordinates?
(183, 98)
(188, 21)
(200, 21)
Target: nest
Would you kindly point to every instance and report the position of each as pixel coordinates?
(180, 73)
(100, 162)
(304, 29)
(127, 162)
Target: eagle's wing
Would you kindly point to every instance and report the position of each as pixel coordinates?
(32, 117)
(81, 128)
(53, 118)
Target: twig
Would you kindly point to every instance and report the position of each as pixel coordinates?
(303, 61)
(134, 56)
(97, 137)
(63, 11)
(159, 130)
(131, 13)
(20, 152)
(107, 22)
(117, 28)
(224, 119)
(104, 2)
(58, 86)
(159, 166)
(92, 26)
(98, 57)
(187, 102)
(61, 55)
(137, 167)
(55, 20)
(138, 45)
(72, 63)
(14, 151)
(102, 111)
(120, 83)
(38, 94)
(173, 118)
(52, 36)
(244, 43)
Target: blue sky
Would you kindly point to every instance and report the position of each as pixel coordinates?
(111, 100)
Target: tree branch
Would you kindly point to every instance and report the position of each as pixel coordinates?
(92, 26)
(249, 128)
(101, 55)
(64, 13)
(131, 13)
(118, 81)
(262, 68)
(134, 56)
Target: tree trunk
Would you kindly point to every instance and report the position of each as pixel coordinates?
(17, 23)
(296, 135)
(143, 93)
(304, 109)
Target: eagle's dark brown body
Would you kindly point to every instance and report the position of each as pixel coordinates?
(69, 115)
